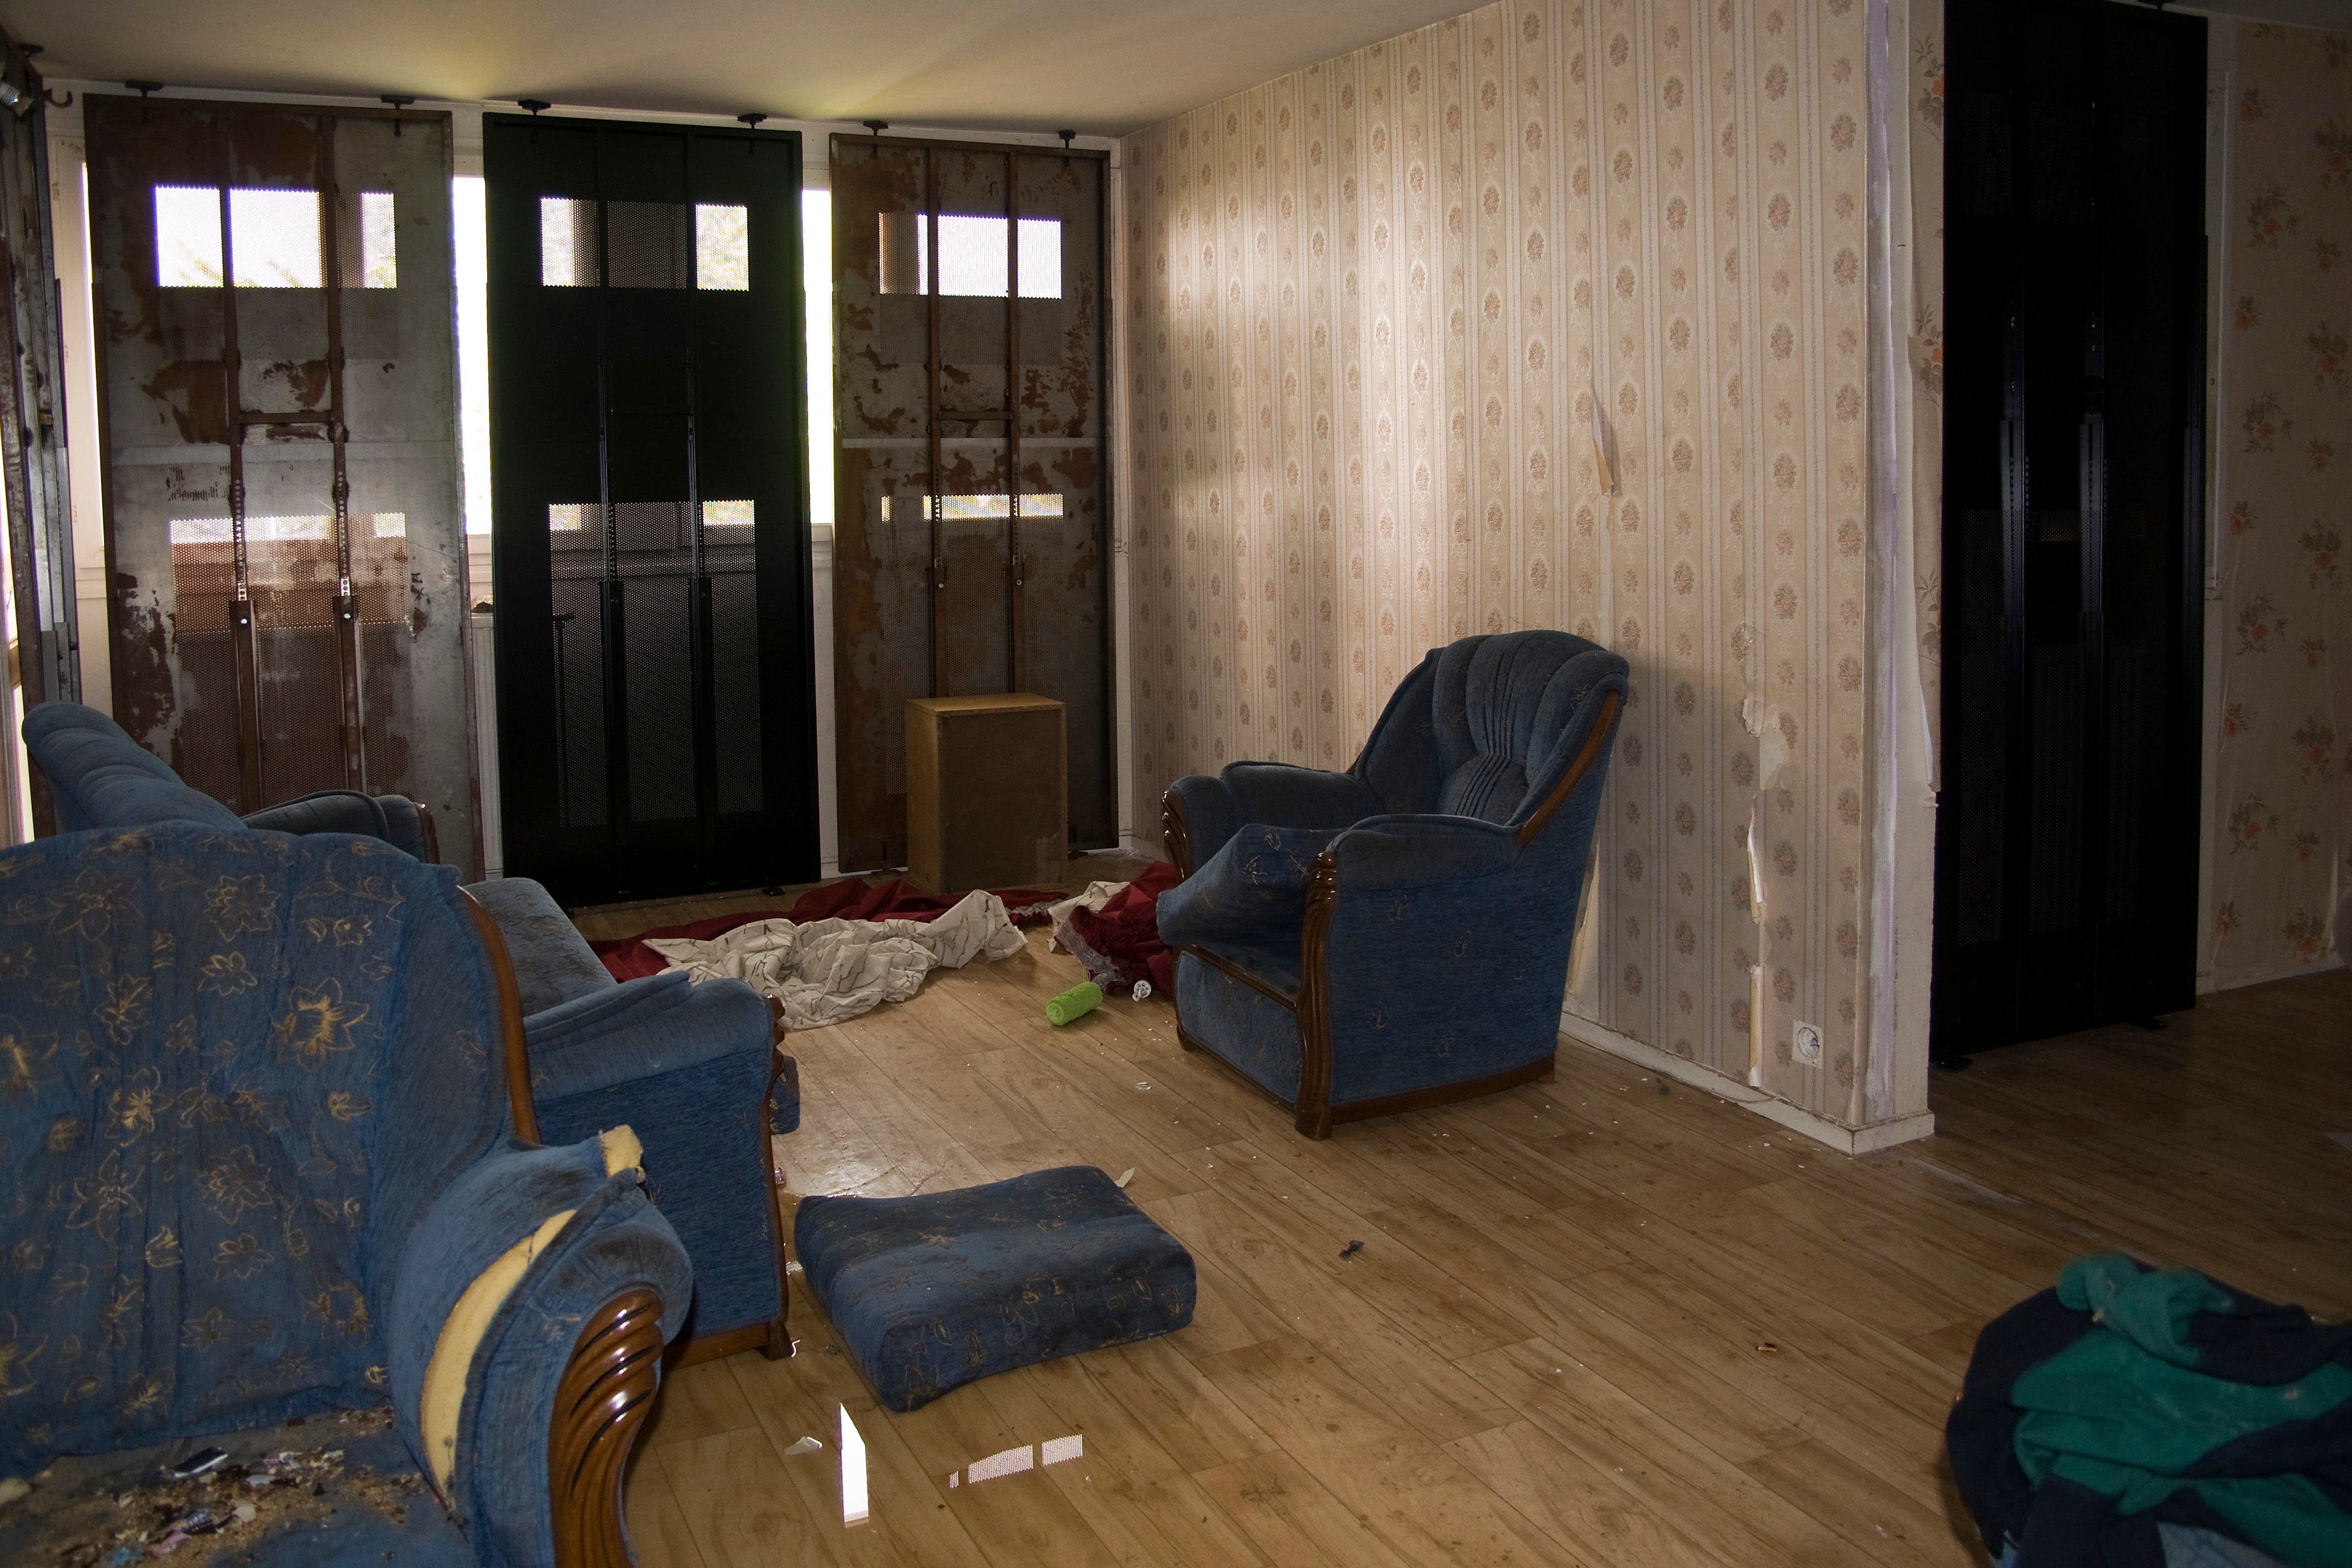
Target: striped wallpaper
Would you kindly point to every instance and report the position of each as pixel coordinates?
(1371, 307)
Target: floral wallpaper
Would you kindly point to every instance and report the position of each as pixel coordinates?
(1371, 307)
(2281, 807)
(1919, 34)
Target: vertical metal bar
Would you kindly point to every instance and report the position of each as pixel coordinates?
(611, 606)
(1012, 574)
(2017, 555)
(347, 634)
(1105, 392)
(699, 629)
(240, 604)
(931, 480)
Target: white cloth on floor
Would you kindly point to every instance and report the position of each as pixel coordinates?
(830, 970)
(1097, 895)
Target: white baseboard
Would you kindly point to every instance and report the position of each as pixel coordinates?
(1821, 1128)
(2209, 981)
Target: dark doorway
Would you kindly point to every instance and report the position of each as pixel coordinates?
(2073, 541)
(649, 531)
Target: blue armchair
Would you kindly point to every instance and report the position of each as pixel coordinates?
(1397, 936)
(270, 1153)
(700, 1071)
(98, 777)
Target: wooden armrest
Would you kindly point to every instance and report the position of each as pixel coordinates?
(605, 1394)
(514, 1049)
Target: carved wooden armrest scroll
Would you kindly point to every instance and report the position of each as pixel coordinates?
(605, 1394)
(1174, 835)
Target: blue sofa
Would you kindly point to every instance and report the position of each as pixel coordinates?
(1397, 935)
(698, 1070)
(272, 1154)
(98, 776)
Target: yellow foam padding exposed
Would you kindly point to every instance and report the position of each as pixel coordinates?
(443, 1395)
(622, 1150)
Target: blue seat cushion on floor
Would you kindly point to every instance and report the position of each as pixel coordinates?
(932, 1291)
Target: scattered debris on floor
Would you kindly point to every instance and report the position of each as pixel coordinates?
(805, 1445)
(1124, 1177)
(1352, 1248)
(86, 1517)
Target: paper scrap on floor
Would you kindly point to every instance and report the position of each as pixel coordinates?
(830, 970)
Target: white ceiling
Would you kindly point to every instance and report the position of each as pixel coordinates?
(1100, 67)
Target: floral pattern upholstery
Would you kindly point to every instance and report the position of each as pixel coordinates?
(225, 1102)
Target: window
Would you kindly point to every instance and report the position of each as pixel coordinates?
(187, 237)
(972, 255)
(274, 238)
(648, 243)
(575, 517)
(905, 509)
(567, 243)
(722, 249)
(265, 530)
(726, 513)
(369, 238)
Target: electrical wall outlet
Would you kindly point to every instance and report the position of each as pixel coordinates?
(1809, 1044)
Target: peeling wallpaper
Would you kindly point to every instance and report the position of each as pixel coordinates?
(1370, 306)
(2280, 628)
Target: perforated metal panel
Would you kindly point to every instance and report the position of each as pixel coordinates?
(651, 244)
(970, 335)
(276, 369)
(650, 512)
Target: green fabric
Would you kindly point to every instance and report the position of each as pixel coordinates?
(2122, 1412)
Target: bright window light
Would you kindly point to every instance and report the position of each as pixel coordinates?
(1041, 258)
(378, 243)
(187, 237)
(266, 529)
(972, 255)
(722, 247)
(907, 509)
(389, 525)
(567, 243)
(816, 276)
(726, 514)
(274, 239)
(1010, 1462)
(200, 531)
(574, 517)
(470, 233)
(277, 238)
(852, 1471)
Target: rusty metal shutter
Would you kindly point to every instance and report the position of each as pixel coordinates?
(277, 379)
(970, 336)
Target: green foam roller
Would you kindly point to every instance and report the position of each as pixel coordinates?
(1074, 1004)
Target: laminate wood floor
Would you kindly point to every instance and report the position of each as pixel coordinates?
(1604, 1321)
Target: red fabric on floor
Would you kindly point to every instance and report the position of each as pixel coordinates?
(628, 957)
(1125, 933)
